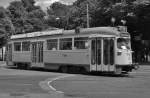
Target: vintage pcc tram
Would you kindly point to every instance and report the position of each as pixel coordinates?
(100, 49)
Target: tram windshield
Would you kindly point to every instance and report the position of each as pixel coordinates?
(123, 43)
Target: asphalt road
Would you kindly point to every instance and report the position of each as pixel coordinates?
(16, 83)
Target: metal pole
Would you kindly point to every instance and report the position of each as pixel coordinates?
(2, 54)
(87, 10)
(11, 25)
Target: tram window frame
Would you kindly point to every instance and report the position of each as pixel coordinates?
(65, 44)
(52, 44)
(26, 46)
(80, 43)
(17, 46)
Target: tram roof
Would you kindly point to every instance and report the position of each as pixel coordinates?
(94, 30)
(98, 30)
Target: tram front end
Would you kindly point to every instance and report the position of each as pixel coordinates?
(124, 63)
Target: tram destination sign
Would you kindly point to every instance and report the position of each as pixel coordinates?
(124, 35)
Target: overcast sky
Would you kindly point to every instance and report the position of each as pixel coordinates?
(42, 3)
(45, 3)
(5, 2)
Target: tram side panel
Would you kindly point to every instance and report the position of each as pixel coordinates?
(55, 59)
(21, 57)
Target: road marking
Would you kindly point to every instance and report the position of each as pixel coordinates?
(57, 78)
(47, 83)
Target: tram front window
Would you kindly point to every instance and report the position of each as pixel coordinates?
(123, 43)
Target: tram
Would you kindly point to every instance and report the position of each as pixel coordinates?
(98, 49)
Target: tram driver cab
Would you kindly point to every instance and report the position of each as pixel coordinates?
(123, 43)
(124, 52)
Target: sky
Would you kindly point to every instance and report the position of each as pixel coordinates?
(43, 3)
(5, 3)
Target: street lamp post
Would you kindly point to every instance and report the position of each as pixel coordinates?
(58, 21)
(87, 15)
(113, 21)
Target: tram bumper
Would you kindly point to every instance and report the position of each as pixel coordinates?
(128, 68)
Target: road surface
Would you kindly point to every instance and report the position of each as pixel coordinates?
(16, 83)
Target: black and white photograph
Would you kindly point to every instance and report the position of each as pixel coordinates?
(74, 48)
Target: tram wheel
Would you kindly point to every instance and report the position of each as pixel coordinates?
(18, 66)
(27, 67)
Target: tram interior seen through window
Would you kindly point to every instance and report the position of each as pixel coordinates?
(123, 43)
(26, 46)
(65, 44)
(81, 43)
(52, 44)
(17, 46)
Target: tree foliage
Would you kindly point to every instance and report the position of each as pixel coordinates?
(5, 26)
(58, 15)
(142, 12)
(26, 17)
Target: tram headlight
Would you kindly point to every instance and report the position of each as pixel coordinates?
(119, 53)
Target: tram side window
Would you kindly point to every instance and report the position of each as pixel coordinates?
(65, 44)
(52, 44)
(26, 46)
(81, 43)
(17, 46)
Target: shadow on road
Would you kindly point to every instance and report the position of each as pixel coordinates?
(74, 72)
(33, 69)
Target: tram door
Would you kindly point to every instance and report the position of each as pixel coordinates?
(102, 54)
(108, 54)
(37, 54)
(9, 54)
(96, 54)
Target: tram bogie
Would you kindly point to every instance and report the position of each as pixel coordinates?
(99, 49)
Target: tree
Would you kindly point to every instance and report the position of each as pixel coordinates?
(58, 15)
(98, 11)
(6, 27)
(143, 15)
(26, 17)
(29, 5)
(18, 15)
